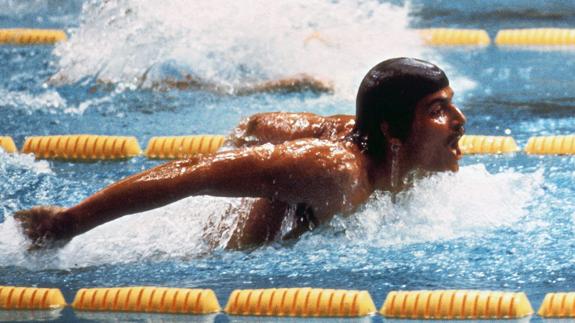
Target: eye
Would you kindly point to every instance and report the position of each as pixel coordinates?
(436, 110)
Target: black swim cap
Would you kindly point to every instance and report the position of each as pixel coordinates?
(390, 91)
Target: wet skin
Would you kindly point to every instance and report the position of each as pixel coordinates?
(279, 127)
(299, 163)
(435, 131)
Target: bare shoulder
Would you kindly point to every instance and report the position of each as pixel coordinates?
(337, 166)
(279, 127)
(325, 153)
(305, 151)
(273, 120)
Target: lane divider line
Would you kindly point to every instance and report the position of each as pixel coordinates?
(551, 145)
(28, 298)
(300, 302)
(475, 144)
(96, 147)
(535, 37)
(178, 147)
(7, 144)
(455, 305)
(147, 299)
(28, 36)
(82, 147)
(454, 37)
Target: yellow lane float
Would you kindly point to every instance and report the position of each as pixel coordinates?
(27, 298)
(536, 37)
(455, 305)
(551, 145)
(147, 299)
(82, 147)
(7, 144)
(454, 37)
(302, 302)
(559, 305)
(20, 36)
(470, 144)
(182, 146)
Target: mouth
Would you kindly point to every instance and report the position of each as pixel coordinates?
(453, 145)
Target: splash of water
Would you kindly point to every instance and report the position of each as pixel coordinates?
(24, 161)
(50, 100)
(137, 42)
(442, 207)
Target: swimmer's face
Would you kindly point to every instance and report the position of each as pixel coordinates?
(435, 132)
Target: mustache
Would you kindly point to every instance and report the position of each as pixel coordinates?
(457, 134)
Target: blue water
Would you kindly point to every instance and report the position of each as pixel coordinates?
(501, 223)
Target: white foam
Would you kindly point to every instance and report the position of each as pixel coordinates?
(123, 41)
(175, 231)
(50, 101)
(47, 100)
(188, 228)
(12, 243)
(24, 161)
(442, 207)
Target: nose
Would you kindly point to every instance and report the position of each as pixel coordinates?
(458, 118)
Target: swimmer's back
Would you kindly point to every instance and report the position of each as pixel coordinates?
(279, 127)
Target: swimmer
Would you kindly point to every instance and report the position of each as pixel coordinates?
(301, 165)
(295, 83)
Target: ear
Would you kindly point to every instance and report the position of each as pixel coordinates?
(384, 128)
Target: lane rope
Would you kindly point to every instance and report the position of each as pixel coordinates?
(147, 299)
(535, 37)
(474, 144)
(82, 147)
(27, 36)
(454, 37)
(300, 302)
(551, 145)
(455, 305)
(179, 147)
(96, 147)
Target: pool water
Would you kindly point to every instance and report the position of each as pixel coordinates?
(501, 223)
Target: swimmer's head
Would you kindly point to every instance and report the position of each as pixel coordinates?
(389, 93)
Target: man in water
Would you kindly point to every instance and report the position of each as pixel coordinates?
(405, 126)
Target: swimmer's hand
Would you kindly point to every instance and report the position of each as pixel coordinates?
(45, 226)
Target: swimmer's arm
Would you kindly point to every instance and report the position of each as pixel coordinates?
(293, 173)
(296, 83)
(297, 172)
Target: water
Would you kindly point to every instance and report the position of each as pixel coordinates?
(501, 223)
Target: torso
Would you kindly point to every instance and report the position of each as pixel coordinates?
(263, 221)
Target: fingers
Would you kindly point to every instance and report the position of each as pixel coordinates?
(24, 218)
(38, 225)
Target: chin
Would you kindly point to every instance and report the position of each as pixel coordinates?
(450, 167)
